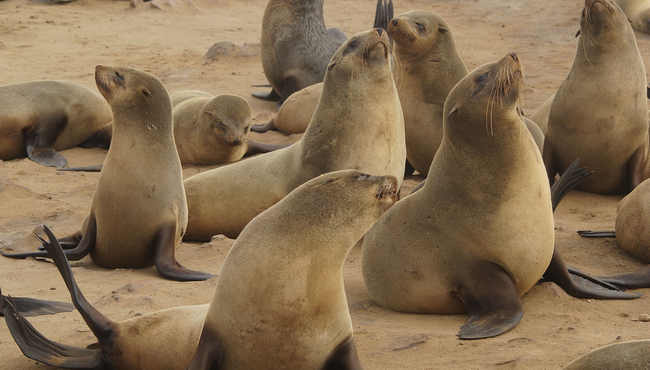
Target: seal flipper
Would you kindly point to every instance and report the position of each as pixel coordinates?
(344, 357)
(73, 253)
(208, 354)
(637, 279)
(40, 139)
(635, 167)
(166, 263)
(383, 14)
(492, 301)
(35, 307)
(96, 168)
(256, 148)
(597, 234)
(269, 126)
(271, 96)
(35, 346)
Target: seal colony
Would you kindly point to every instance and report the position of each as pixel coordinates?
(600, 113)
(296, 46)
(39, 118)
(308, 328)
(139, 212)
(358, 124)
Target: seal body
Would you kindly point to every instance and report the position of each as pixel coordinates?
(638, 11)
(632, 220)
(295, 45)
(600, 112)
(460, 245)
(39, 118)
(305, 316)
(633, 355)
(358, 124)
(428, 67)
(294, 115)
(210, 129)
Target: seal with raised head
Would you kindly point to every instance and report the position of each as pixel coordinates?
(456, 245)
(427, 68)
(296, 47)
(139, 212)
(39, 118)
(358, 124)
(600, 112)
(638, 12)
(293, 315)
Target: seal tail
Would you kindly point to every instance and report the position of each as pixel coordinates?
(572, 280)
(35, 346)
(383, 14)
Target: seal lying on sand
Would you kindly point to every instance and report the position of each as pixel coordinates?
(41, 117)
(638, 12)
(600, 111)
(296, 47)
(463, 244)
(358, 125)
(247, 301)
(633, 355)
(139, 212)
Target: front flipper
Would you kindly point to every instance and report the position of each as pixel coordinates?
(492, 301)
(383, 14)
(75, 253)
(96, 168)
(166, 263)
(35, 346)
(269, 126)
(208, 354)
(597, 234)
(40, 139)
(344, 357)
(272, 96)
(256, 148)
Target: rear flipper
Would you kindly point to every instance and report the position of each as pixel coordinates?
(383, 14)
(492, 301)
(597, 234)
(35, 307)
(96, 168)
(269, 126)
(575, 283)
(40, 139)
(256, 148)
(35, 346)
(166, 263)
(271, 96)
(344, 357)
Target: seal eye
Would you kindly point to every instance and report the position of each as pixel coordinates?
(363, 176)
(482, 78)
(146, 92)
(352, 44)
(119, 78)
(420, 26)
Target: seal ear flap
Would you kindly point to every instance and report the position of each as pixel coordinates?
(442, 29)
(453, 110)
(578, 33)
(146, 92)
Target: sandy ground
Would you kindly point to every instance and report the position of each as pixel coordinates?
(65, 42)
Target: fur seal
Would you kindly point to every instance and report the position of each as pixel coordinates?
(358, 124)
(296, 47)
(294, 115)
(39, 118)
(139, 212)
(320, 331)
(427, 68)
(638, 12)
(458, 246)
(632, 355)
(600, 112)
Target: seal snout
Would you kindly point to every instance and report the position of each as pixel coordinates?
(101, 80)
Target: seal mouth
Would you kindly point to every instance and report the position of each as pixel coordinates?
(386, 194)
(102, 81)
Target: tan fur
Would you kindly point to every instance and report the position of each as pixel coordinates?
(540, 117)
(633, 355)
(296, 112)
(210, 129)
(600, 112)
(486, 198)
(140, 187)
(638, 11)
(427, 68)
(358, 124)
(300, 313)
(24, 103)
(633, 222)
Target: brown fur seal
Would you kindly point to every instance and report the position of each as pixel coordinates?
(428, 67)
(638, 12)
(633, 355)
(294, 115)
(41, 117)
(358, 125)
(600, 112)
(456, 245)
(296, 47)
(320, 329)
(139, 212)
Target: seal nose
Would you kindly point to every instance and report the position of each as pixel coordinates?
(394, 21)
(379, 30)
(514, 57)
